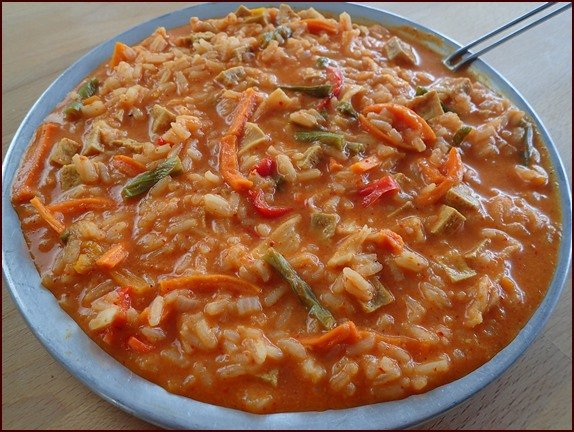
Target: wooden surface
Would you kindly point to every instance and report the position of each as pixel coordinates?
(40, 40)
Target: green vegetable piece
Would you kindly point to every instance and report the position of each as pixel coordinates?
(528, 144)
(345, 107)
(280, 34)
(73, 111)
(88, 89)
(65, 236)
(381, 297)
(319, 91)
(356, 147)
(460, 135)
(325, 224)
(311, 157)
(449, 220)
(421, 91)
(333, 139)
(144, 182)
(300, 288)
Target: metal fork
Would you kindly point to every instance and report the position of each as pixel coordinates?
(462, 56)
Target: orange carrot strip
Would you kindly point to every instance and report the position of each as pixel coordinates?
(246, 106)
(138, 346)
(78, 205)
(24, 188)
(229, 164)
(454, 171)
(389, 240)
(430, 172)
(112, 257)
(209, 282)
(376, 132)
(407, 116)
(343, 333)
(317, 25)
(365, 165)
(118, 54)
(47, 215)
(334, 166)
(128, 165)
(453, 167)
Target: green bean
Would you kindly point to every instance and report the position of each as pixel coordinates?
(300, 287)
(333, 139)
(528, 144)
(345, 107)
(88, 89)
(73, 111)
(144, 182)
(460, 135)
(319, 91)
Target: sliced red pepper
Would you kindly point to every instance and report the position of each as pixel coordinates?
(266, 167)
(377, 189)
(124, 301)
(335, 77)
(264, 209)
(138, 346)
(160, 141)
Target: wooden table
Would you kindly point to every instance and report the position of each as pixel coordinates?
(41, 40)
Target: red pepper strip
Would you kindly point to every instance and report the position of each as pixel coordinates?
(124, 301)
(264, 209)
(377, 189)
(335, 77)
(160, 141)
(266, 167)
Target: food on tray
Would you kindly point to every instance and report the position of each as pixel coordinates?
(283, 211)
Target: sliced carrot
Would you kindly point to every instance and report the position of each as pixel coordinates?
(454, 171)
(113, 256)
(407, 116)
(389, 240)
(343, 333)
(334, 166)
(210, 282)
(244, 109)
(78, 205)
(317, 25)
(365, 165)
(430, 172)
(24, 188)
(47, 215)
(453, 167)
(229, 164)
(138, 346)
(128, 165)
(118, 54)
(376, 132)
